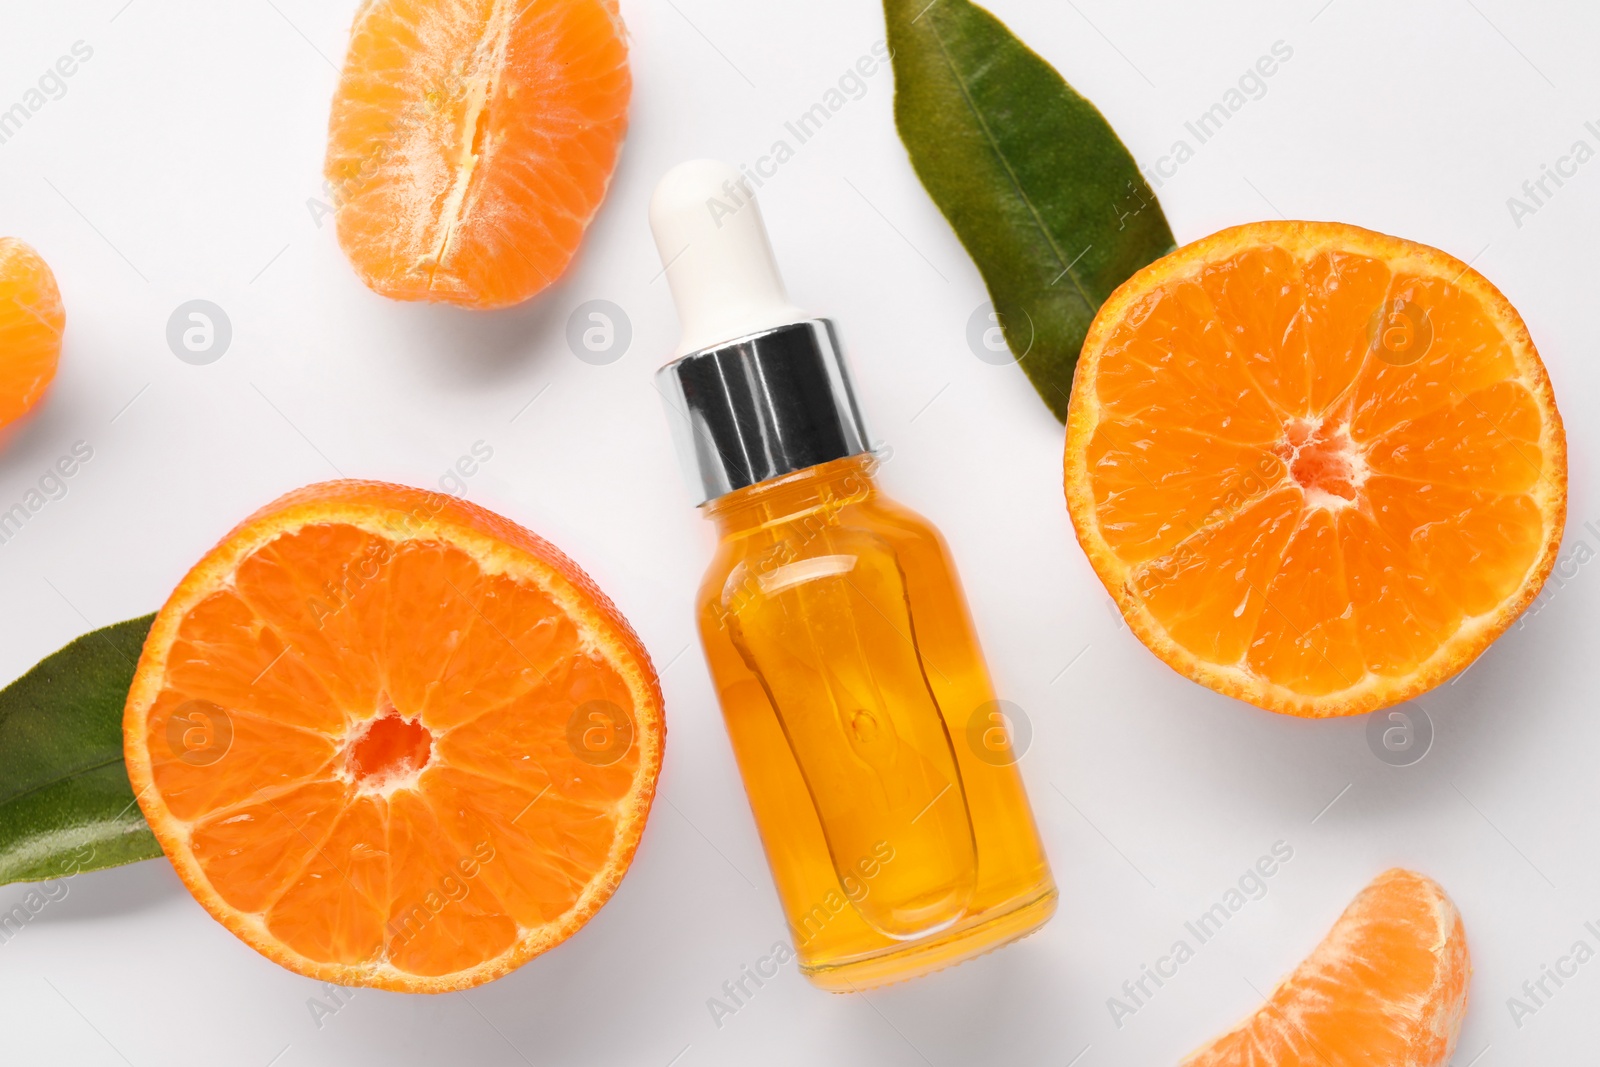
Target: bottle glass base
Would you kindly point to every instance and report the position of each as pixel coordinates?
(959, 943)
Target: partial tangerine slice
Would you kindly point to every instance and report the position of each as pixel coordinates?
(31, 323)
(1387, 986)
(389, 738)
(470, 144)
(1317, 468)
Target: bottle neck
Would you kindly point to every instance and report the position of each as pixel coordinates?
(824, 487)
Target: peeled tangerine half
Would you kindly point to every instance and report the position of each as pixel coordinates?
(391, 739)
(31, 322)
(471, 142)
(1386, 988)
(1317, 468)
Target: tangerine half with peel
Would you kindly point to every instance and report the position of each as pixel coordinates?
(1388, 985)
(389, 738)
(470, 144)
(1318, 468)
(31, 323)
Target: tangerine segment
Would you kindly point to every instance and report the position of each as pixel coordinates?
(391, 739)
(1318, 468)
(470, 143)
(31, 323)
(1388, 985)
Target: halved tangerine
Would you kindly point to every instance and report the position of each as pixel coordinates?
(470, 144)
(389, 738)
(1318, 468)
(1387, 986)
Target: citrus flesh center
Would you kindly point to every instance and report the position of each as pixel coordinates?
(1317, 468)
(1324, 461)
(388, 750)
(349, 731)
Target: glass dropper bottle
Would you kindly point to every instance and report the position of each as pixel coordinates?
(873, 751)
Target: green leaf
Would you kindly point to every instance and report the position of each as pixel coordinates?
(65, 802)
(1045, 197)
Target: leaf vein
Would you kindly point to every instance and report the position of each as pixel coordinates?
(58, 779)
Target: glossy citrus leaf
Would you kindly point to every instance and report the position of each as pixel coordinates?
(1043, 195)
(65, 802)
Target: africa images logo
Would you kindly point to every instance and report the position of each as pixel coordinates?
(51, 485)
(1250, 886)
(851, 85)
(51, 85)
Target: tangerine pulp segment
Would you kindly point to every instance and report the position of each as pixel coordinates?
(470, 144)
(31, 324)
(1388, 985)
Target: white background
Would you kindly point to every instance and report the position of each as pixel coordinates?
(179, 165)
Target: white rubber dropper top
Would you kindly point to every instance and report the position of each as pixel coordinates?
(718, 260)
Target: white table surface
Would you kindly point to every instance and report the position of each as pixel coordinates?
(178, 164)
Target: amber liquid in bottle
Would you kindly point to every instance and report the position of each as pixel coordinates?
(876, 760)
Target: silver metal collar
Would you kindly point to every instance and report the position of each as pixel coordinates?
(761, 406)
